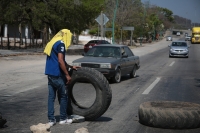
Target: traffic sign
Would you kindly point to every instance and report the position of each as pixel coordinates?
(128, 28)
(105, 19)
(107, 29)
(98, 19)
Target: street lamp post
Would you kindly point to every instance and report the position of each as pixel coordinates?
(113, 24)
(121, 35)
(143, 26)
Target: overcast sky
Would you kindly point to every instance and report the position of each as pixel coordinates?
(189, 9)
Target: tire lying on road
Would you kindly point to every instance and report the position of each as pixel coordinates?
(170, 114)
(103, 93)
(2, 121)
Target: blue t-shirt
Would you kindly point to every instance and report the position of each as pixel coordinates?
(52, 65)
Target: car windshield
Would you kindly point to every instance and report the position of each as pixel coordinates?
(104, 52)
(183, 44)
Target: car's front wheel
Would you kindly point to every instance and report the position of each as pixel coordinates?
(117, 77)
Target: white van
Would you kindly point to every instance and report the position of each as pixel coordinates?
(178, 33)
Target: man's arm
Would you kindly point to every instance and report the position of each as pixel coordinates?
(72, 67)
(63, 67)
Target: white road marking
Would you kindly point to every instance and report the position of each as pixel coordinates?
(5, 95)
(172, 63)
(21, 90)
(151, 86)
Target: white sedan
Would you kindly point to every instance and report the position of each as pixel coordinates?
(179, 48)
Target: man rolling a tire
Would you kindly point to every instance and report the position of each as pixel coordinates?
(58, 76)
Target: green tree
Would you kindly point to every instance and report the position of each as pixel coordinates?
(75, 15)
(167, 13)
(128, 14)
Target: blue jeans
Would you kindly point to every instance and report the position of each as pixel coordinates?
(57, 84)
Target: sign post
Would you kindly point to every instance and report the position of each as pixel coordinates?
(131, 29)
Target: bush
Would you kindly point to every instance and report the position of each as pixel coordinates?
(93, 32)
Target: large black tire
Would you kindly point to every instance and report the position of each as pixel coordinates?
(103, 93)
(170, 114)
(2, 121)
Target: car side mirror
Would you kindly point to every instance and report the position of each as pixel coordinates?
(124, 56)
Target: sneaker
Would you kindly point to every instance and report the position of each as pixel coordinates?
(52, 123)
(67, 121)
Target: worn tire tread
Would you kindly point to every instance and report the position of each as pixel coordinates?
(184, 116)
(103, 84)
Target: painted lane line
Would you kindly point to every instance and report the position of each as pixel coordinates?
(172, 63)
(151, 86)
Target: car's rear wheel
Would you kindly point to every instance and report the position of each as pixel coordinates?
(117, 77)
(133, 72)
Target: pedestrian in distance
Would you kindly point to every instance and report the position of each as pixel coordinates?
(57, 74)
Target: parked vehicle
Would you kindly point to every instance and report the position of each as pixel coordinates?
(113, 61)
(168, 38)
(179, 48)
(92, 43)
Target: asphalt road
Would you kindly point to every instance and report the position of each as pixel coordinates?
(23, 91)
